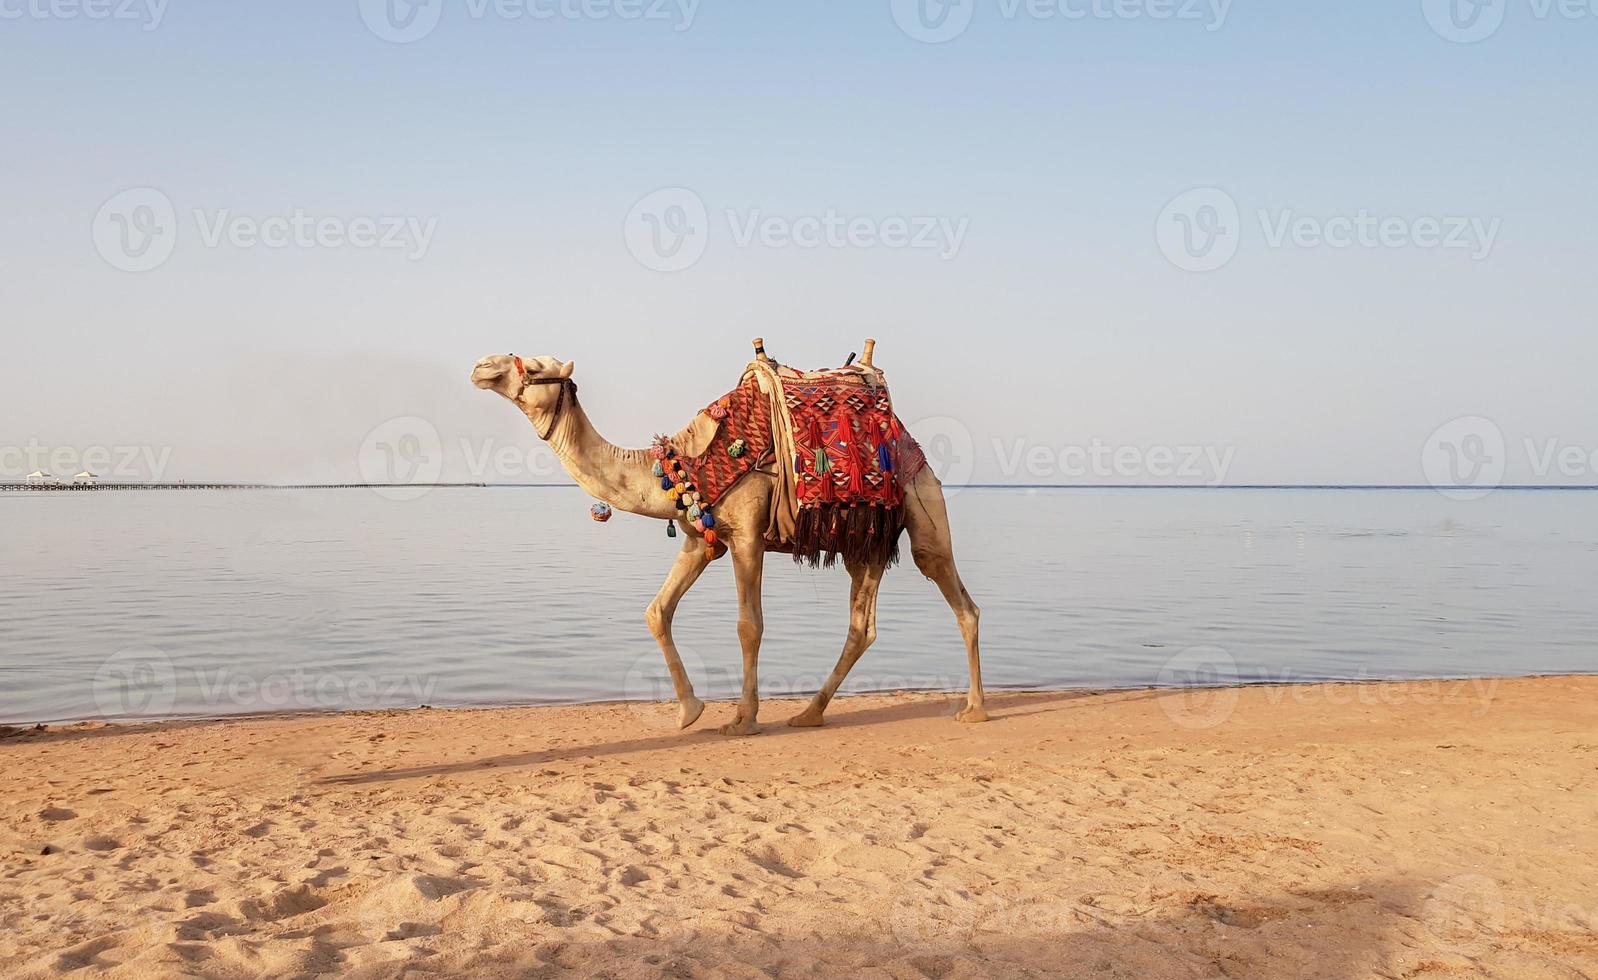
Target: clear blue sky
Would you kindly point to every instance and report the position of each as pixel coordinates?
(524, 143)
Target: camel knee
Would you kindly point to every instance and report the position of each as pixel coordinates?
(750, 630)
(860, 638)
(968, 615)
(659, 620)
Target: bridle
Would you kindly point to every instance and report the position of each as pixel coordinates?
(566, 385)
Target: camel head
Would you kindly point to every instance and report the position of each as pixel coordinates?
(513, 377)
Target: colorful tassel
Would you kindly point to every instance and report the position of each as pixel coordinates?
(665, 483)
(857, 466)
(707, 520)
(671, 530)
(659, 470)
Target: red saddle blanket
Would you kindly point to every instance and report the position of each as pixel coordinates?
(851, 463)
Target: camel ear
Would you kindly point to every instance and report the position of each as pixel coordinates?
(566, 369)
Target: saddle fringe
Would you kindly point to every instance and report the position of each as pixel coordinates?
(861, 535)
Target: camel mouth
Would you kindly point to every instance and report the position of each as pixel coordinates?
(486, 377)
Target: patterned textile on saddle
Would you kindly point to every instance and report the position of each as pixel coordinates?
(709, 447)
(842, 488)
(853, 460)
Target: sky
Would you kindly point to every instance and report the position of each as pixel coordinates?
(1097, 241)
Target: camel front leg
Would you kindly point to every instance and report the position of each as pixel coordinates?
(748, 567)
(691, 562)
(864, 584)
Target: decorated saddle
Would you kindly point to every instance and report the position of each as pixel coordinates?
(842, 458)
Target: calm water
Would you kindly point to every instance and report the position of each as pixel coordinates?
(152, 604)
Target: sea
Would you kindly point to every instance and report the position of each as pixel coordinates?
(150, 604)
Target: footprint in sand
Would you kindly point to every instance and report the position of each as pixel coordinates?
(56, 814)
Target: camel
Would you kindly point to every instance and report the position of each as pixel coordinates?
(542, 388)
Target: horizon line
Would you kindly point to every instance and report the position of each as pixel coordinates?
(232, 485)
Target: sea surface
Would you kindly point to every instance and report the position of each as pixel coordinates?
(154, 604)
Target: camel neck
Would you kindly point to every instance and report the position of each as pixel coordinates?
(622, 478)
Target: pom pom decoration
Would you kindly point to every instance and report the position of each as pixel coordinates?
(717, 411)
(737, 449)
(684, 495)
(600, 512)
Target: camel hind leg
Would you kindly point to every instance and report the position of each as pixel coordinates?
(864, 581)
(932, 548)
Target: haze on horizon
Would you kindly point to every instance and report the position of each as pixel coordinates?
(1030, 215)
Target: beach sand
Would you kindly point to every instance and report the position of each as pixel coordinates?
(1427, 829)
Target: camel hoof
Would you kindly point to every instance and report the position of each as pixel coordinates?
(806, 719)
(689, 712)
(739, 728)
(971, 714)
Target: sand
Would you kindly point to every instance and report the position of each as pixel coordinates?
(1432, 829)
